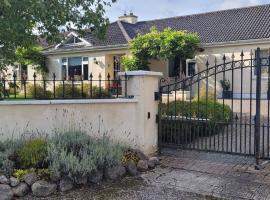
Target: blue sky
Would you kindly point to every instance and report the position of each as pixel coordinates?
(154, 9)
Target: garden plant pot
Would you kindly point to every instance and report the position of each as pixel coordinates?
(227, 94)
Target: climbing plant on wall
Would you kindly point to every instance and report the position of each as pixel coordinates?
(164, 45)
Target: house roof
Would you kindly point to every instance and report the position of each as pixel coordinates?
(241, 24)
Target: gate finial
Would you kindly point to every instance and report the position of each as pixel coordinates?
(224, 57)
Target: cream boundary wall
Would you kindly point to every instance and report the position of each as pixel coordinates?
(123, 120)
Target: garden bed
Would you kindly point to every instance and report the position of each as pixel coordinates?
(40, 166)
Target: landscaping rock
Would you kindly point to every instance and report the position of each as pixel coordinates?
(5, 192)
(152, 162)
(8, 167)
(21, 190)
(80, 180)
(155, 160)
(31, 178)
(14, 181)
(43, 188)
(142, 165)
(65, 184)
(96, 177)
(141, 155)
(115, 172)
(131, 168)
(55, 177)
(4, 180)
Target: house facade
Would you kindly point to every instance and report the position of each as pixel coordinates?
(222, 33)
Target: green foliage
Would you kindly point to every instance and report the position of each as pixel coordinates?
(214, 111)
(38, 92)
(164, 44)
(20, 173)
(132, 63)
(77, 154)
(33, 153)
(44, 174)
(32, 56)
(18, 19)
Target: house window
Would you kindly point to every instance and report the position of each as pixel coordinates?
(75, 68)
(264, 53)
(116, 65)
(191, 67)
(73, 40)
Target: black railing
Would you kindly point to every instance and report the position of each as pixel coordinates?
(36, 88)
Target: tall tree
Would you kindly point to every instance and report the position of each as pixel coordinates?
(23, 21)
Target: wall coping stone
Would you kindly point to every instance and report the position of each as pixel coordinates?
(67, 101)
(140, 73)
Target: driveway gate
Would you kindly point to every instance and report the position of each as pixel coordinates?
(222, 108)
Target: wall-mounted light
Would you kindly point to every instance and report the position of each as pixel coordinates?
(95, 61)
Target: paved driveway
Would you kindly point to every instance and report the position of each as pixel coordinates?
(186, 175)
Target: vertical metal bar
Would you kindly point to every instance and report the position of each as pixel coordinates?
(232, 102)
(82, 87)
(241, 99)
(258, 107)
(4, 88)
(190, 113)
(91, 85)
(117, 87)
(109, 85)
(223, 104)
(215, 104)
(175, 81)
(159, 118)
(54, 77)
(35, 89)
(99, 85)
(198, 109)
(44, 88)
(250, 100)
(14, 84)
(206, 109)
(24, 87)
(126, 79)
(63, 89)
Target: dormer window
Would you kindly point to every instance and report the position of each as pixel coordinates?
(73, 40)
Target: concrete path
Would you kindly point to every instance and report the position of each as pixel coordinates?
(219, 175)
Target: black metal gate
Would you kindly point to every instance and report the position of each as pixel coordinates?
(222, 108)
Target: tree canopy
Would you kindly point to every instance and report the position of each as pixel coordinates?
(156, 44)
(22, 22)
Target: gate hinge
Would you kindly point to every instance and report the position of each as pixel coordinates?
(156, 96)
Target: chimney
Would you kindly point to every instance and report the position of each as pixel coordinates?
(131, 18)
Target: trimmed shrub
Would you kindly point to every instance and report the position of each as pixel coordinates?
(75, 91)
(96, 91)
(38, 93)
(33, 153)
(70, 91)
(75, 154)
(214, 111)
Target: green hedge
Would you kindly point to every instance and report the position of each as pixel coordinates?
(199, 109)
